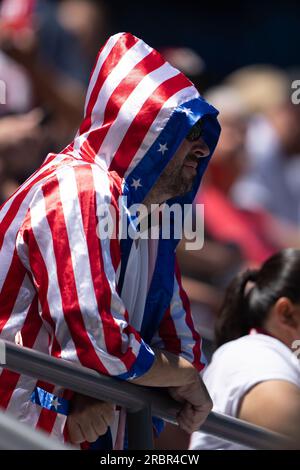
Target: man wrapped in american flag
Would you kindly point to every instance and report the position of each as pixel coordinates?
(111, 304)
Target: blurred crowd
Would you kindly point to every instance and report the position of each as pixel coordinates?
(47, 50)
(251, 190)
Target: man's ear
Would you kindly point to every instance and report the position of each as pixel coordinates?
(286, 313)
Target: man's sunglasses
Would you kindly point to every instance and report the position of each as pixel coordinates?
(195, 132)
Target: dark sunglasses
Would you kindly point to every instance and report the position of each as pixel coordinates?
(195, 132)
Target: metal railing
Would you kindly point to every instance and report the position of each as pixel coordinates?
(19, 436)
(141, 402)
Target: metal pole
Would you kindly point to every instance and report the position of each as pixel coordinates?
(133, 397)
(139, 425)
(72, 376)
(245, 433)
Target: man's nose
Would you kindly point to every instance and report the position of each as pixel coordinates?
(201, 149)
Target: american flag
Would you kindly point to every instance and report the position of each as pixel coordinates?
(64, 291)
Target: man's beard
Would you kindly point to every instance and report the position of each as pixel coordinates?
(181, 184)
(178, 182)
(173, 182)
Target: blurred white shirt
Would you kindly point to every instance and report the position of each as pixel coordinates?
(236, 367)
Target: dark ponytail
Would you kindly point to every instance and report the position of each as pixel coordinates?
(232, 321)
(247, 306)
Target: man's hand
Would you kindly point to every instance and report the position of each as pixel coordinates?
(89, 419)
(184, 385)
(196, 404)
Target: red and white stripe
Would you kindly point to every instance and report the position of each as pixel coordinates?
(176, 332)
(135, 84)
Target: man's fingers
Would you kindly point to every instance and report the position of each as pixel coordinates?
(185, 424)
(89, 419)
(75, 433)
(174, 394)
(104, 415)
(189, 426)
(100, 426)
(93, 425)
(88, 425)
(191, 418)
(186, 418)
(196, 407)
(89, 432)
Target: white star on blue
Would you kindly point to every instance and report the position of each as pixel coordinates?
(136, 183)
(187, 111)
(55, 403)
(163, 148)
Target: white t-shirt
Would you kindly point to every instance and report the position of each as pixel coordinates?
(235, 368)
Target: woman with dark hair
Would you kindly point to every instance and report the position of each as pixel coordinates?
(255, 372)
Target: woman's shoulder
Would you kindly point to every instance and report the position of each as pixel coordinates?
(239, 365)
(255, 354)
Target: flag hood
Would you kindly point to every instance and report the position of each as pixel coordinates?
(138, 110)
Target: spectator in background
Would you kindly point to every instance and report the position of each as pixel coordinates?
(46, 51)
(254, 231)
(69, 33)
(273, 143)
(234, 236)
(254, 375)
(22, 143)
